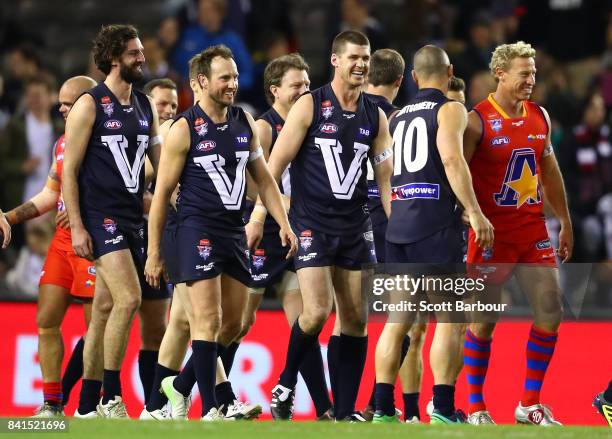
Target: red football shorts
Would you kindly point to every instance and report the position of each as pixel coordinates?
(498, 263)
(65, 269)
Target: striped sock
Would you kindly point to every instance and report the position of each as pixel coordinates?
(52, 393)
(476, 353)
(540, 348)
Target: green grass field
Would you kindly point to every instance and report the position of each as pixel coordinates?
(296, 430)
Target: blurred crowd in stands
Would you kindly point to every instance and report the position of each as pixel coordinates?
(574, 78)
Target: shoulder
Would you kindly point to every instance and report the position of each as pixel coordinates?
(474, 124)
(452, 108)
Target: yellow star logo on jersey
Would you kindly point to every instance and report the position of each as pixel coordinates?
(526, 186)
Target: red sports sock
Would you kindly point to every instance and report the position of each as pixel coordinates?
(540, 348)
(476, 353)
(52, 393)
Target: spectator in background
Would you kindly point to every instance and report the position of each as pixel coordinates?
(356, 16)
(481, 84)
(25, 275)
(477, 53)
(26, 145)
(156, 65)
(208, 32)
(168, 34)
(5, 115)
(23, 65)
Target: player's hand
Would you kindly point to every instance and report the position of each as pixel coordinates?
(61, 220)
(5, 228)
(288, 238)
(483, 229)
(254, 234)
(82, 243)
(147, 199)
(566, 243)
(154, 270)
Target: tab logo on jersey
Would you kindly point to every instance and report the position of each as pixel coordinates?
(113, 124)
(543, 245)
(306, 239)
(206, 145)
(329, 128)
(204, 248)
(373, 191)
(520, 183)
(259, 258)
(107, 105)
(531, 137)
(144, 123)
(242, 139)
(327, 109)
(412, 191)
(500, 141)
(365, 132)
(109, 225)
(496, 124)
(200, 126)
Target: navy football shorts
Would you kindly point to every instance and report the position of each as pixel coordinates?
(318, 249)
(442, 252)
(379, 227)
(169, 249)
(109, 235)
(268, 262)
(205, 255)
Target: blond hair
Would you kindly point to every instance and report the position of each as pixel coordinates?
(504, 54)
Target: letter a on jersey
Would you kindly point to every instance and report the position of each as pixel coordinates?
(214, 165)
(118, 145)
(342, 183)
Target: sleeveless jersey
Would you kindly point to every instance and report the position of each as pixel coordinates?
(422, 202)
(276, 122)
(111, 180)
(212, 185)
(506, 167)
(374, 203)
(328, 175)
(62, 236)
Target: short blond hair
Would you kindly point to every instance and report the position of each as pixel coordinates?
(504, 54)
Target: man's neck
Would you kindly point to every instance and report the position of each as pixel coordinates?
(216, 112)
(441, 85)
(512, 106)
(386, 91)
(346, 95)
(281, 110)
(121, 89)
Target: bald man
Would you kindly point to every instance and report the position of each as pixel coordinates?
(64, 278)
(425, 227)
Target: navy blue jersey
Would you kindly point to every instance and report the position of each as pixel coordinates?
(422, 201)
(374, 203)
(111, 179)
(276, 122)
(212, 185)
(328, 175)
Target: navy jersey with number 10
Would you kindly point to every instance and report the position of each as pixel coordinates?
(329, 191)
(422, 201)
(111, 178)
(212, 185)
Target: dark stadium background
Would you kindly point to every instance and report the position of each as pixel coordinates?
(52, 38)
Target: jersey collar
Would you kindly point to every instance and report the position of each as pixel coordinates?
(501, 111)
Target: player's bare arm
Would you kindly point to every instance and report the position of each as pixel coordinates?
(269, 191)
(5, 228)
(39, 204)
(382, 163)
(78, 131)
(292, 135)
(452, 122)
(472, 135)
(554, 192)
(172, 162)
(155, 139)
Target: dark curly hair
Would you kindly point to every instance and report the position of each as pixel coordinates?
(110, 43)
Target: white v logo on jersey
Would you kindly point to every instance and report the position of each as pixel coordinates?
(342, 183)
(118, 145)
(231, 194)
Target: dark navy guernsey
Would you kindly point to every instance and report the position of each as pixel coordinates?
(212, 186)
(328, 175)
(374, 204)
(111, 178)
(422, 201)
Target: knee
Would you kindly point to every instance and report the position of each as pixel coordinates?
(129, 304)
(230, 330)
(207, 324)
(482, 330)
(247, 325)
(354, 323)
(152, 334)
(46, 321)
(311, 321)
(417, 335)
(550, 312)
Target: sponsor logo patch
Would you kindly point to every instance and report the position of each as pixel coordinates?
(259, 259)
(204, 249)
(200, 126)
(114, 241)
(308, 257)
(206, 145)
(107, 105)
(113, 124)
(144, 123)
(222, 127)
(91, 270)
(496, 124)
(518, 123)
(369, 236)
(412, 191)
(532, 137)
(487, 254)
(500, 140)
(306, 239)
(327, 109)
(364, 132)
(543, 245)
